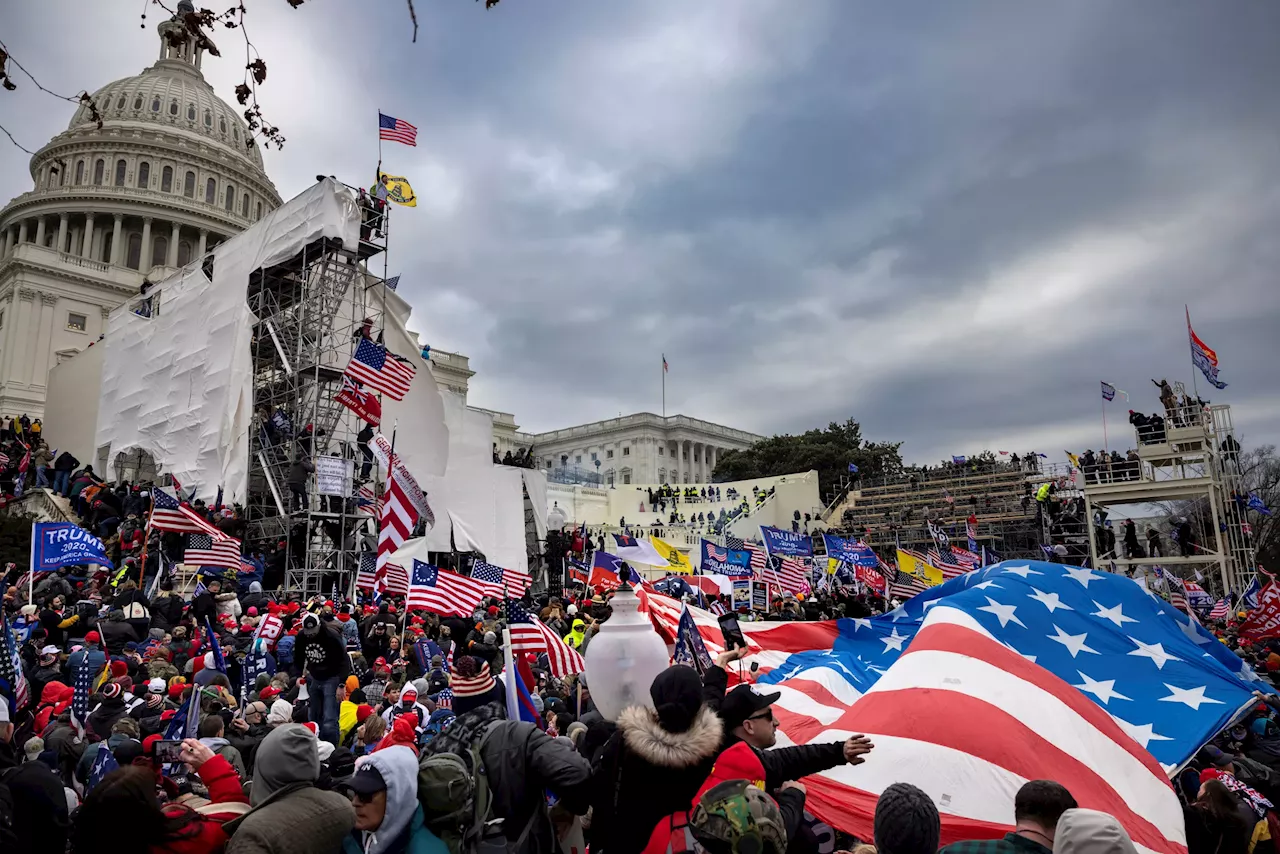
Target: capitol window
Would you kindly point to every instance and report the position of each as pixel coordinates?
(173, 107)
(244, 206)
(155, 104)
(166, 179)
(137, 103)
(133, 258)
(184, 253)
(208, 118)
(189, 185)
(626, 475)
(121, 169)
(159, 250)
(99, 167)
(77, 322)
(258, 211)
(144, 174)
(578, 459)
(80, 172)
(191, 112)
(235, 132)
(661, 451)
(211, 192)
(626, 452)
(231, 197)
(608, 455)
(120, 102)
(222, 126)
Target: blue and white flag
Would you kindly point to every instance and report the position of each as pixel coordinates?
(852, 552)
(58, 544)
(1250, 597)
(1257, 504)
(853, 469)
(1167, 681)
(780, 542)
(730, 562)
(219, 662)
(103, 764)
(690, 650)
(959, 460)
(81, 688)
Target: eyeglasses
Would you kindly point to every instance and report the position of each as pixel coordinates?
(767, 714)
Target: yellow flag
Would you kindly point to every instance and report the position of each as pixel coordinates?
(832, 566)
(399, 191)
(1075, 461)
(679, 562)
(920, 568)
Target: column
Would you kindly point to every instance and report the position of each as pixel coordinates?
(62, 232)
(715, 456)
(40, 231)
(172, 260)
(204, 237)
(86, 246)
(42, 344)
(115, 240)
(22, 231)
(144, 259)
(8, 241)
(23, 330)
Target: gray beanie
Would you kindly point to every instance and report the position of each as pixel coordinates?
(906, 821)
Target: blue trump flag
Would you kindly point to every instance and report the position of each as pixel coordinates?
(780, 542)
(853, 469)
(1257, 504)
(219, 661)
(730, 562)
(850, 551)
(1167, 681)
(103, 764)
(690, 649)
(58, 544)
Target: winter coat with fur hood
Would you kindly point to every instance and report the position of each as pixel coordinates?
(644, 773)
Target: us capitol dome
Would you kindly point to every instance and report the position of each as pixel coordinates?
(172, 172)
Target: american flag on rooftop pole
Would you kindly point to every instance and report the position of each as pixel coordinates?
(396, 130)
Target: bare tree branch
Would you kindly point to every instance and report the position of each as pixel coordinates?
(413, 16)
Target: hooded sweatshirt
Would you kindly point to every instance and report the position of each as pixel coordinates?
(403, 818)
(1082, 831)
(576, 636)
(287, 759)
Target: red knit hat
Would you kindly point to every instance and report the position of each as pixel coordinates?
(93, 637)
(363, 711)
(118, 669)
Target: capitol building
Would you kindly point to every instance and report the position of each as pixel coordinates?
(172, 172)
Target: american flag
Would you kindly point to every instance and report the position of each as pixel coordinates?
(396, 130)
(392, 283)
(379, 369)
(204, 550)
(482, 681)
(15, 682)
(513, 581)
(396, 520)
(718, 608)
(446, 593)
(1177, 593)
(80, 690)
(103, 764)
(966, 557)
(759, 557)
(1220, 610)
(367, 503)
(366, 576)
(444, 698)
(528, 634)
(4, 460)
(168, 514)
(904, 585)
(950, 569)
(787, 573)
(393, 580)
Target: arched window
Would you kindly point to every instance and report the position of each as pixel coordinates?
(231, 197)
(62, 174)
(121, 169)
(159, 250)
(184, 253)
(211, 192)
(166, 179)
(191, 112)
(133, 257)
(80, 172)
(189, 185)
(208, 118)
(137, 102)
(244, 206)
(235, 132)
(173, 107)
(258, 212)
(155, 104)
(222, 126)
(106, 246)
(144, 174)
(99, 167)
(120, 102)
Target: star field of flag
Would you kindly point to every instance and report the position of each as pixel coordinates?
(1167, 681)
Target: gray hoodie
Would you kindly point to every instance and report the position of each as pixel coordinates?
(286, 759)
(399, 768)
(1082, 831)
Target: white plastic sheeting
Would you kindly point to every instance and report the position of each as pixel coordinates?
(535, 483)
(422, 439)
(178, 385)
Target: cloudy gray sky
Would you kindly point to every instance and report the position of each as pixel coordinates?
(947, 220)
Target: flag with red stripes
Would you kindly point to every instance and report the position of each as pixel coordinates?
(949, 568)
(391, 580)
(395, 522)
(170, 514)
(1220, 610)
(529, 634)
(441, 592)
(959, 700)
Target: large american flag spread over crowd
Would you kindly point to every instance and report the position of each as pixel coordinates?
(1018, 671)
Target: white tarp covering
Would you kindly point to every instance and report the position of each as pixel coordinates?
(177, 385)
(535, 483)
(422, 440)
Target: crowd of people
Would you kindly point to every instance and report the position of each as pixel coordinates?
(351, 728)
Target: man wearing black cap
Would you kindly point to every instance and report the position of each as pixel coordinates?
(327, 665)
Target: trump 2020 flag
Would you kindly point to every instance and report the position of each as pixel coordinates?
(103, 764)
(58, 544)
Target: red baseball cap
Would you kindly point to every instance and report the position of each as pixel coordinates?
(92, 637)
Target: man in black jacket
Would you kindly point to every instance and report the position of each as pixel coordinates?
(324, 654)
(166, 610)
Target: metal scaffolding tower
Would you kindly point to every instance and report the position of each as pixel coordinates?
(310, 310)
(1189, 470)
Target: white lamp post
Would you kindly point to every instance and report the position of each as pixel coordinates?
(624, 658)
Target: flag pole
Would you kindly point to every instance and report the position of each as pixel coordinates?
(664, 385)
(31, 568)
(1105, 444)
(1194, 387)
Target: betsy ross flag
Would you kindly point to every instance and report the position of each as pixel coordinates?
(204, 550)
(788, 573)
(446, 593)
(1203, 357)
(514, 582)
(169, 514)
(528, 634)
(381, 370)
(396, 130)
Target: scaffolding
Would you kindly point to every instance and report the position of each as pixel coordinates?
(1186, 468)
(890, 512)
(310, 312)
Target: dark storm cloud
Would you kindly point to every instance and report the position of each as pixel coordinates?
(947, 220)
